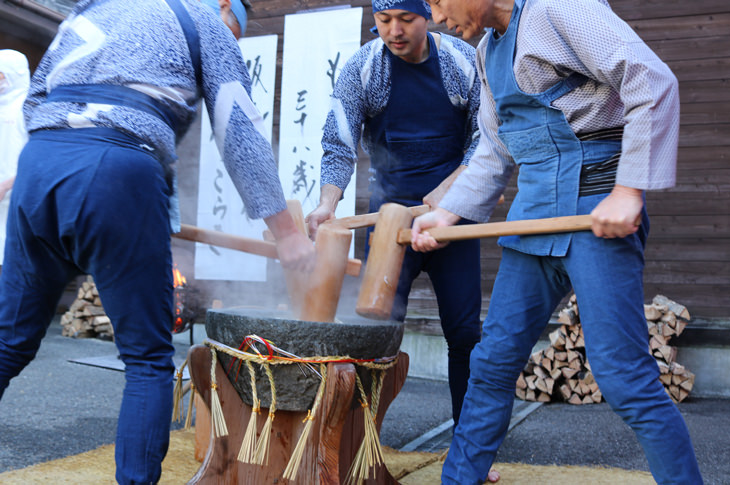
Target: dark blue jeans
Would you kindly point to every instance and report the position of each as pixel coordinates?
(606, 275)
(92, 202)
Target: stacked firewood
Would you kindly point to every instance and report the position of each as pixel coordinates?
(86, 317)
(667, 319)
(561, 372)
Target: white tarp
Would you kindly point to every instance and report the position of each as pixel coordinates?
(13, 91)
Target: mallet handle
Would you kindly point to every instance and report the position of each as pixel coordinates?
(245, 244)
(367, 220)
(508, 228)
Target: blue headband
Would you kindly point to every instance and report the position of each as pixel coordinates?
(419, 7)
(236, 7)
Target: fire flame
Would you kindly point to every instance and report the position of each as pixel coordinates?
(178, 281)
(178, 278)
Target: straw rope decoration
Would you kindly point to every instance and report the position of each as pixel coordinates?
(370, 452)
(177, 408)
(219, 422)
(261, 455)
(189, 417)
(248, 445)
(288, 358)
(375, 391)
(257, 452)
(290, 473)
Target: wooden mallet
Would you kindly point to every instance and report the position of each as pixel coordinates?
(323, 288)
(315, 296)
(296, 281)
(245, 244)
(392, 234)
(366, 220)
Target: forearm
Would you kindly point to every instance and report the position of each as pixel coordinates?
(295, 251)
(281, 224)
(5, 186)
(475, 193)
(329, 196)
(339, 152)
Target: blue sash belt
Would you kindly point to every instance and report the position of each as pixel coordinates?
(114, 95)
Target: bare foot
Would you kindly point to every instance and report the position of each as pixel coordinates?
(493, 476)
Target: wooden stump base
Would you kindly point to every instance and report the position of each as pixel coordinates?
(333, 442)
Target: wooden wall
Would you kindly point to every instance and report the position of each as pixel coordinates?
(688, 257)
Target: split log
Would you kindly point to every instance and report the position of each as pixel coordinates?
(568, 316)
(652, 313)
(674, 307)
(521, 384)
(677, 380)
(561, 371)
(557, 339)
(86, 317)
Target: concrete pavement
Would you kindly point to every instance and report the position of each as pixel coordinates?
(57, 408)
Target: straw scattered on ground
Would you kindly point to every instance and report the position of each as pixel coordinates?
(414, 468)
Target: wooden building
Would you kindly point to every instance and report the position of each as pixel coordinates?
(688, 256)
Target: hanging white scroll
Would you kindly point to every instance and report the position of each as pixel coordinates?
(316, 47)
(219, 206)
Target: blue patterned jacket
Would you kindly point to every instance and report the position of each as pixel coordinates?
(362, 91)
(141, 45)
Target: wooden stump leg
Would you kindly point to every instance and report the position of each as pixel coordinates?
(333, 441)
(202, 427)
(354, 428)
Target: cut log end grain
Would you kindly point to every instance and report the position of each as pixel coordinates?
(561, 371)
(679, 310)
(86, 317)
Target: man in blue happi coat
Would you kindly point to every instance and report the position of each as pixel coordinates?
(95, 191)
(414, 97)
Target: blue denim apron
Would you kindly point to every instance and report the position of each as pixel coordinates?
(418, 138)
(419, 141)
(536, 272)
(543, 145)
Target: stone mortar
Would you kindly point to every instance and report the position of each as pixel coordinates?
(354, 336)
